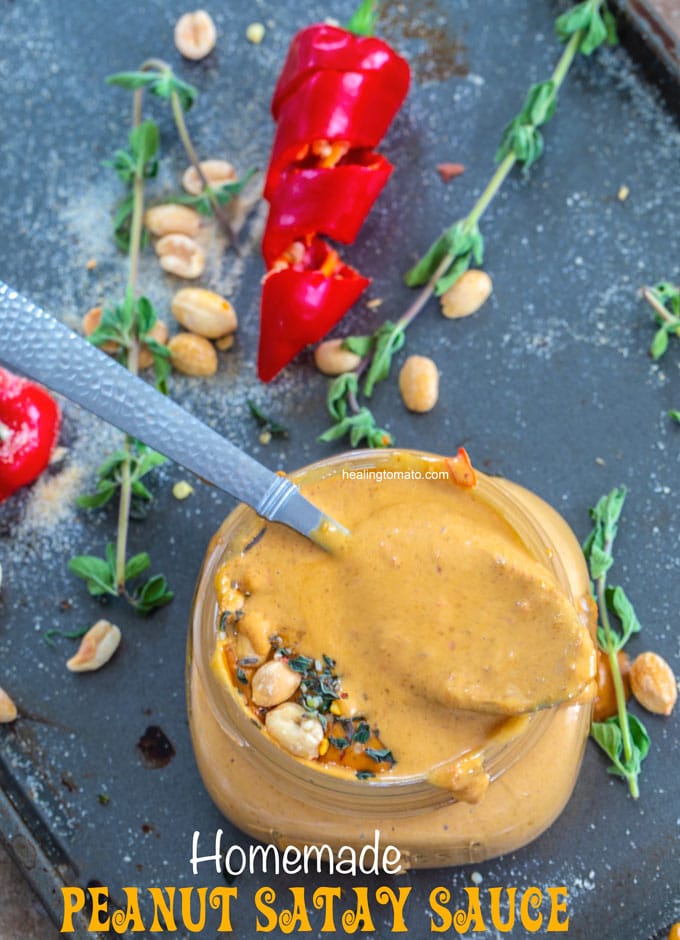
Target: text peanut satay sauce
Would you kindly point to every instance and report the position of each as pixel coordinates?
(413, 663)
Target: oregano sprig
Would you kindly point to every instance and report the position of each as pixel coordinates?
(158, 78)
(583, 28)
(622, 737)
(128, 324)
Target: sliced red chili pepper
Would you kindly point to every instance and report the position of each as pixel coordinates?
(324, 47)
(354, 106)
(334, 100)
(460, 469)
(331, 200)
(301, 302)
(29, 427)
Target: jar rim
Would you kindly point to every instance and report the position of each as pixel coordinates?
(413, 792)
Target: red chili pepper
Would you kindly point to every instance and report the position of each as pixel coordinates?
(302, 299)
(29, 427)
(334, 100)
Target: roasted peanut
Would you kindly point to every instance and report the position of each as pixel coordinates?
(273, 683)
(419, 383)
(96, 647)
(192, 355)
(216, 172)
(8, 710)
(653, 683)
(89, 324)
(225, 343)
(180, 255)
(332, 359)
(159, 332)
(204, 312)
(467, 295)
(172, 219)
(195, 35)
(295, 730)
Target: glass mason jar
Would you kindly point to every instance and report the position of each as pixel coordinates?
(271, 795)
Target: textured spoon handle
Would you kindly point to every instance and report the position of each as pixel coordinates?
(39, 346)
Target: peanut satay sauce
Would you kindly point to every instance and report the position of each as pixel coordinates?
(440, 623)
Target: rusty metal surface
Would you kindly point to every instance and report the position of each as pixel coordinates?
(551, 385)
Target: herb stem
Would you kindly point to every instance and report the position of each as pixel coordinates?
(616, 678)
(658, 308)
(491, 189)
(136, 227)
(188, 144)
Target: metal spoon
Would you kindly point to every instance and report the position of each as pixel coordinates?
(39, 346)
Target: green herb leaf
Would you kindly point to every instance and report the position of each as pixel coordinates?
(608, 735)
(359, 345)
(618, 602)
(275, 428)
(136, 565)
(360, 427)
(132, 80)
(674, 415)
(388, 339)
(96, 572)
(659, 343)
(382, 755)
(49, 635)
(339, 391)
(144, 141)
(153, 594)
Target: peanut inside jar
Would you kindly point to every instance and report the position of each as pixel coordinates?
(416, 646)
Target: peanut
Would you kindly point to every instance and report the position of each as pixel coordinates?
(180, 255)
(224, 343)
(96, 647)
(332, 359)
(273, 683)
(204, 312)
(90, 322)
(419, 383)
(8, 710)
(192, 355)
(195, 35)
(295, 730)
(159, 332)
(653, 683)
(216, 172)
(171, 219)
(467, 295)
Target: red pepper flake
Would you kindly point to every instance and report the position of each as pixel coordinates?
(29, 427)
(460, 469)
(449, 171)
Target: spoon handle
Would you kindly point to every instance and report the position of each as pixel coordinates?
(39, 346)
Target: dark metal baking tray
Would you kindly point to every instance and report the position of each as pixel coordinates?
(550, 384)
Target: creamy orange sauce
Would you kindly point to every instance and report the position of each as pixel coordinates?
(439, 618)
